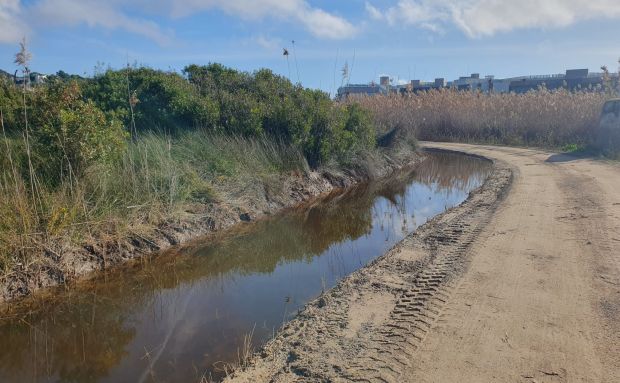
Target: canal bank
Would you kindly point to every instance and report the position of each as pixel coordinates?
(188, 313)
(64, 262)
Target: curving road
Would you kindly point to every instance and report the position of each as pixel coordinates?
(521, 283)
(540, 300)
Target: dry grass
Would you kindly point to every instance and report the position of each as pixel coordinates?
(244, 357)
(156, 177)
(541, 118)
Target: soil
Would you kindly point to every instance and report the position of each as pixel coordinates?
(62, 262)
(520, 283)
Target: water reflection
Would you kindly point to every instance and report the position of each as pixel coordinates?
(173, 318)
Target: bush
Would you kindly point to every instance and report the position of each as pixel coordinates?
(70, 134)
(10, 104)
(357, 133)
(263, 103)
(161, 100)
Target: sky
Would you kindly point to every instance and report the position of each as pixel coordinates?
(405, 39)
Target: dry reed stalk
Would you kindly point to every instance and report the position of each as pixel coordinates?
(539, 118)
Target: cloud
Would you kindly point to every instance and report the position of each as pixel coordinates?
(374, 12)
(103, 14)
(325, 25)
(317, 21)
(268, 43)
(478, 18)
(17, 19)
(13, 28)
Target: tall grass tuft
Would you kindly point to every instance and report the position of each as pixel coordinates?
(156, 177)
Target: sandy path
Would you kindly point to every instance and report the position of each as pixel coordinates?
(520, 289)
(541, 298)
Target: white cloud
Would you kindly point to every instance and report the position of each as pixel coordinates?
(326, 25)
(478, 18)
(103, 14)
(320, 23)
(268, 43)
(12, 29)
(374, 12)
(17, 18)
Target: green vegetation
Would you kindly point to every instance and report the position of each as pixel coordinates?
(132, 148)
(573, 148)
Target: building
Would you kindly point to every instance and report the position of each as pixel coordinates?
(417, 86)
(472, 82)
(371, 89)
(33, 78)
(572, 79)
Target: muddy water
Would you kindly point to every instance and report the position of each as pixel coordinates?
(182, 315)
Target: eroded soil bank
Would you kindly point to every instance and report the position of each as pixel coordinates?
(63, 262)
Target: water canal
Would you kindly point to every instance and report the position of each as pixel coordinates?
(183, 314)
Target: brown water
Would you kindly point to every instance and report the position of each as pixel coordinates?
(180, 316)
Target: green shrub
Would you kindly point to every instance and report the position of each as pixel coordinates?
(358, 133)
(10, 104)
(161, 100)
(70, 134)
(262, 103)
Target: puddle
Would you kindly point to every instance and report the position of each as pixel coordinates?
(181, 316)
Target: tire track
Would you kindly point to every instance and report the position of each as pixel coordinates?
(420, 306)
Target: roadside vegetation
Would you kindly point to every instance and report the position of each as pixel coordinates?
(89, 157)
(542, 118)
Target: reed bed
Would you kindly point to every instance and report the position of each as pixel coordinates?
(539, 118)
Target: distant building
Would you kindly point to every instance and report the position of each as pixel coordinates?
(572, 79)
(33, 78)
(502, 85)
(371, 89)
(417, 86)
(472, 82)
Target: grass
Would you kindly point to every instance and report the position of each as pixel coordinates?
(244, 356)
(573, 148)
(156, 178)
(541, 118)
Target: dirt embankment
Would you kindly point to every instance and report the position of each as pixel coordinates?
(521, 283)
(63, 262)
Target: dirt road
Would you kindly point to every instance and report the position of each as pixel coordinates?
(519, 284)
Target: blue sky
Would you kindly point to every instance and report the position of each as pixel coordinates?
(405, 39)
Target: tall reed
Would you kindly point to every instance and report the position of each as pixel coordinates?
(540, 118)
